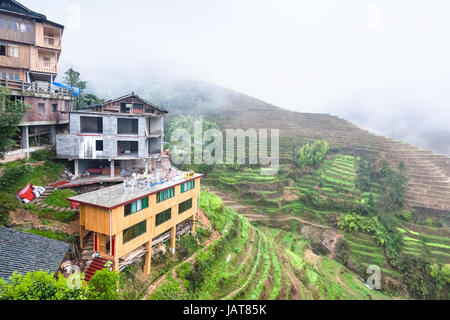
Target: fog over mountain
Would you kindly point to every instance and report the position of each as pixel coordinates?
(381, 64)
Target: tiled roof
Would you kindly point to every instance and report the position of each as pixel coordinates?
(12, 6)
(24, 252)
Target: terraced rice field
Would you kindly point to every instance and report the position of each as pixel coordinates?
(249, 262)
(366, 252)
(426, 243)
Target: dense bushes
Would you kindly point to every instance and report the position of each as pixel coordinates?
(311, 155)
(40, 285)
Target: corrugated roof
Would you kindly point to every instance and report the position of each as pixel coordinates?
(24, 252)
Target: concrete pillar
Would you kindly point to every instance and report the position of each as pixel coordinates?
(173, 238)
(148, 258)
(75, 168)
(25, 139)
(53, 134)
(112, 168)
(146, 166)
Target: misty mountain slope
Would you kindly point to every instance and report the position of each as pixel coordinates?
(428, 173)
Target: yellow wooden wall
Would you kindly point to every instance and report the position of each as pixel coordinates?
(97, 220)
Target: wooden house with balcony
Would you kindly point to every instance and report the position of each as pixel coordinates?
(124, 224)
(30, 47)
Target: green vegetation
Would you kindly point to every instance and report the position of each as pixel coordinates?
(73, 78)
(12, 112)
(15, 175)
(312, 154)
(58, 198)
(103, 285)
(50, 234)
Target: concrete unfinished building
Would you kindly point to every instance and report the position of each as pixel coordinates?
(115, 138)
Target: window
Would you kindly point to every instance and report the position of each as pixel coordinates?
(2, 49)
(10, 25)
(41, 108)
(136, 206)
(2, 24)
(91, 124)
(23, 27)
(3, 75)
(149, 110)
(99, 145)
(29, 28)
(134, 231)
(187, 186)
(127, 126)
(54, 107)
(184, 206)
(138, 106)
(13, 51)
(16, 76)
(164, 195)
(163, 216)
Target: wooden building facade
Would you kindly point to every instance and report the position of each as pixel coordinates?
(119, 229)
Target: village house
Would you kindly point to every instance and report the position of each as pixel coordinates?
(30, 47)
(124, 223)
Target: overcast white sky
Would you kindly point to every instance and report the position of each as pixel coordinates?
(381, 62)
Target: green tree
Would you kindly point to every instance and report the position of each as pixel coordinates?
(312, 155)
(40, 285)
(73, 78)
(103, 285)
(11, 114)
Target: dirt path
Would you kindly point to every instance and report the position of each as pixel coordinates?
(214, 236)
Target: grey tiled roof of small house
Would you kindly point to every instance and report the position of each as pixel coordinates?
(24, 252)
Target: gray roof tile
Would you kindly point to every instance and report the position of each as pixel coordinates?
(24, 252)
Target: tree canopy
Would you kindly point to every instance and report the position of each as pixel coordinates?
(312, 154)
(11, 116)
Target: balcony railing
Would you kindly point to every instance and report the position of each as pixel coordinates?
(35, 87)
(47, 66)
(53, 42)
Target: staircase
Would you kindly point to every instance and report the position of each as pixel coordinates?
(96, 264)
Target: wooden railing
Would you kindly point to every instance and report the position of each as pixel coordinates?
(34, 87)
(47, 66)
(52, 42)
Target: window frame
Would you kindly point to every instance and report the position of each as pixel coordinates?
(41, 105)
(183, 207)
(98, 147)
(135, 231)
(166, 216)
(132, 207)
(158, 195)
(188, 184)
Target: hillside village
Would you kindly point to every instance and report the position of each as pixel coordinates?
(94, 190)
(117, 143)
